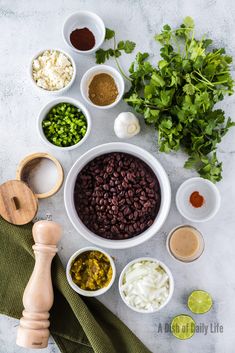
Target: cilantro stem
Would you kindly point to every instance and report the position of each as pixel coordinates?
(121, 70)
(203, 78)
(220, 82)
(117, 61)
(176, 43)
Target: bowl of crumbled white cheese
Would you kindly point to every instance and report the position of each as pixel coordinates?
(146, 285)
(52, 70)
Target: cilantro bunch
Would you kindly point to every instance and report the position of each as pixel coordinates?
(178, 95)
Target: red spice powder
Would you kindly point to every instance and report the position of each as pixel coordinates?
(196, 199)
(82, 39)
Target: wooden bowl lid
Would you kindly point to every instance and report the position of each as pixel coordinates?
(18, 204)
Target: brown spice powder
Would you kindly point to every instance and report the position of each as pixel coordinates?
(103, 90)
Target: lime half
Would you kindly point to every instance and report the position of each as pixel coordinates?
(183, 327)
(199, 302)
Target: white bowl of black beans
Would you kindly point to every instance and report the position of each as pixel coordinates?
(64, 124)
(117, 195)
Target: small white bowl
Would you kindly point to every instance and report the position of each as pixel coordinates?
(136, 151)
(98, 69)
(45, 110)
(210, 194)
(59, 91)
(83, 19)
(83, 292)
(164, 267)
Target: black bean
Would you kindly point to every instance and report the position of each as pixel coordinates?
(147, 204)
(111, 183)
(121, 202)
(99, 179)
(126, 211)
(115, 201)
(130, 193)
(124, 185)
(109, 170)
(115, 209)
(150, 222)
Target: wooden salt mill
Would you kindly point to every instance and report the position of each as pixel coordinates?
(38, 296)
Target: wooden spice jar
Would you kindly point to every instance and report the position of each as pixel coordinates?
(18, 201)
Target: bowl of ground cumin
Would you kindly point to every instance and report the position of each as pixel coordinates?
(102, 86)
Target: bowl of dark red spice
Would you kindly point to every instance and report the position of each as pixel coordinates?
(198, 199)
(117, 195)
(84, 32)
(102, 86)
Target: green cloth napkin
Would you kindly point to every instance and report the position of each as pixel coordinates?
(78, 324)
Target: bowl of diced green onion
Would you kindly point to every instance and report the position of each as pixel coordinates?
(64, 123)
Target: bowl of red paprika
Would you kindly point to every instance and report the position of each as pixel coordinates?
(198, 199)
(84, 32)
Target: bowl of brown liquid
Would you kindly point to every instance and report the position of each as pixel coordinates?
(185, 243)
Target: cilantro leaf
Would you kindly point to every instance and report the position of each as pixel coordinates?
(129, 46)
(101, 56)
(109, 33)
(188, 22)
(208, 167)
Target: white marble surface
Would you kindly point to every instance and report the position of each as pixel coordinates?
(26, 26)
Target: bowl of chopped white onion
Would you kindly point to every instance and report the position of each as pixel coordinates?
(146, 285)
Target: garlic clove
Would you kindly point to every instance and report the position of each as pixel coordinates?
(126, 125)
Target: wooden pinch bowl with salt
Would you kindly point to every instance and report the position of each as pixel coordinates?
(42, 172)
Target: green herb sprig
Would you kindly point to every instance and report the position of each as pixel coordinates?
(116, 51)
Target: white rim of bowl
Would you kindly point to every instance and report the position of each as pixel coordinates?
(164, 207)
(59, 90)
(215, 190)
(98, 69)
(56, 101)
(164, 267)
(102, 25)
(76, 287)
(168, 240)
